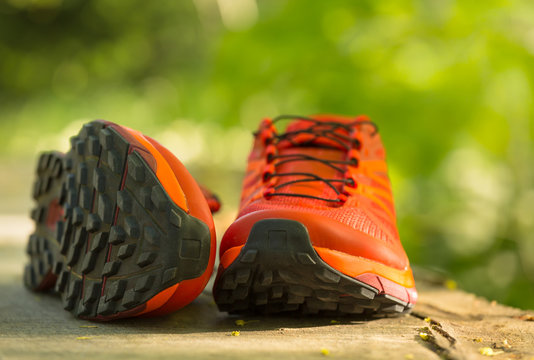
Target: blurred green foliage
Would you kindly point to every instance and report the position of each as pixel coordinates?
(449, 84)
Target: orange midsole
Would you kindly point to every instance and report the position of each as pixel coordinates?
(354, 266)
(349, 265)
(159, 299)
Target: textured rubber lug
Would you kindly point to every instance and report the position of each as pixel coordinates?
(43, 249)
(278, 271)
(123, 239)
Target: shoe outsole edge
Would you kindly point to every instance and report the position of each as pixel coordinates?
(278, 271)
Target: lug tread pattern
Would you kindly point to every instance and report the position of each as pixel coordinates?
(43, 243)
(119, 241)
(278, 271)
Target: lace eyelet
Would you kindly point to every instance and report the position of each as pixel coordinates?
(268, 172)
(266, 137)
(353, 154)
(267, 131)
(266, 123)
(356, 141)
(350, 181)
(266, 176)
(267, 193)
(354, 162)
(342, 198)
(270, 150)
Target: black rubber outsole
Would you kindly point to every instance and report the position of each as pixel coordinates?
(122, 240)
(42, 247)
(278, 271)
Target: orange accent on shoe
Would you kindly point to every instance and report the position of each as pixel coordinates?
(163, 171)
(229, 256)
(55, 213)
(159, 300)
(355, 266)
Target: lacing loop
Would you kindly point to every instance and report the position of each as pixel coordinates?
(355, 138)
(342, 198)
(268, 172)
(267, 131)
(270, 152)
(268, 193)
(353, 158)
(267, 136)
(350, 180)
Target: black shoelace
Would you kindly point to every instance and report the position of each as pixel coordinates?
(328, 130)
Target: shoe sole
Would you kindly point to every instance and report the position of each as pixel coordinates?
(42, 248)
(278, 271)
(123, 240)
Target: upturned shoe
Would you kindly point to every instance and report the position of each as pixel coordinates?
(121, 227)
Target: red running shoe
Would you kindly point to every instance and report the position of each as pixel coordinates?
(122, 228)
(316, 226)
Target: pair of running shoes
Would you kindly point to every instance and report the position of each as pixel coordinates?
(122, 229)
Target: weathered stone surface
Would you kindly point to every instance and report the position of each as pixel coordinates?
(459, 325)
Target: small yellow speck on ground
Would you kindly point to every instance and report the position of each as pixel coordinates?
(88, 326)
(427, 319)
(325, 352)
(487, 351)
(424, 336)
(334, 322)
(83, 338)
(409, 357)
(235, 333)
(241, 322)
(478, 340)
(451, 284)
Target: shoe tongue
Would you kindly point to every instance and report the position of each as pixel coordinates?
(299, 167)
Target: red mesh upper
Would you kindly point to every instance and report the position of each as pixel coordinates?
(370, 210)
(348, 215)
